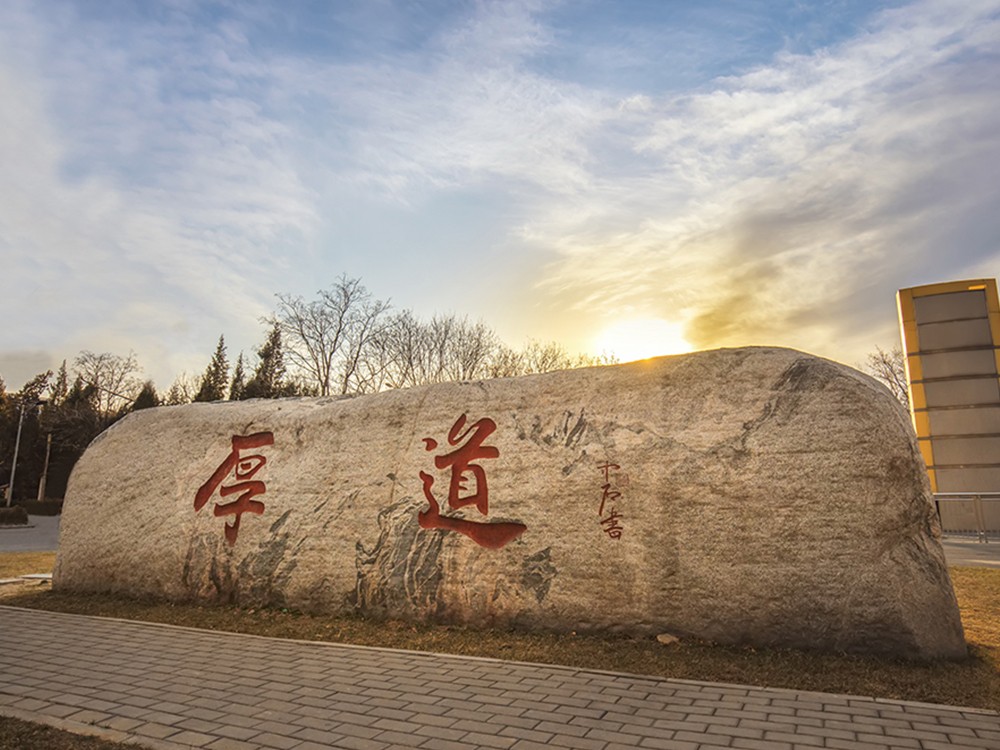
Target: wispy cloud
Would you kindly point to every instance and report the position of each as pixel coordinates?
(169, 167)
(459, 110)
(136, 210)
(776, 203)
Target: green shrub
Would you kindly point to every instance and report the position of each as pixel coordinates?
(13, 516)
(45, 508)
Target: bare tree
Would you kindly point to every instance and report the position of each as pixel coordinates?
(347, 342)
(537, 356)
(326, 338)
(506, 362)
(438, 333)
(472, 348)
(446, 348)
(400, 351)
(183, 390)
(313, 338)
(544, 357)
(114, 379)
(890, 368)
(362, 347)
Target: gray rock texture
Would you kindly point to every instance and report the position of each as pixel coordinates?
(757, 496)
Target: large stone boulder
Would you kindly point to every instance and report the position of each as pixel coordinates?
(758, 496)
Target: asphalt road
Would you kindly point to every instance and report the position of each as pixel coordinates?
(966, 551)
(41, 536)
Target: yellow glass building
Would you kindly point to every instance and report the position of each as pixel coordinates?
(951, 340)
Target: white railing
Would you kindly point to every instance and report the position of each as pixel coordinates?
(977, 512)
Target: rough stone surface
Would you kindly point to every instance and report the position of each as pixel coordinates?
(764, 496)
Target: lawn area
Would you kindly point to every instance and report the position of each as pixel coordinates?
(975, 682)
(13, 564)
(26, 735)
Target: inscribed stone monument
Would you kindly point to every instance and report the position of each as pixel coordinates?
(759, 496)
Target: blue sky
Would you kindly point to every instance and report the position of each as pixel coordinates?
(743, 172)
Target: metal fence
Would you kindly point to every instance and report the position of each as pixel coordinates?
(976, 513)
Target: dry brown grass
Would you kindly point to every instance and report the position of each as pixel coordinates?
(25, 735)
(13, 564)
(975, 682)
(978, 592)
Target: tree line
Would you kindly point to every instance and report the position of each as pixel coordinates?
(343, 342)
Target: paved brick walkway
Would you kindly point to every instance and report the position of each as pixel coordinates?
(169, 687)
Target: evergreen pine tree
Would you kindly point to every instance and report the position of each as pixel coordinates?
(216, 377)
(147, 397)
(60, 389)
(80, 394)
(268, 378)
(238, 385)
(175, 395)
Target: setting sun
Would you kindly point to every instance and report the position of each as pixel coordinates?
(629, 340)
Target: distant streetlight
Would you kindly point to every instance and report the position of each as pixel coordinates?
(45, 468)
(17, 445)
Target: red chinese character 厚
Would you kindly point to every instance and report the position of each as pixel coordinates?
(244, 468)
(493, 535)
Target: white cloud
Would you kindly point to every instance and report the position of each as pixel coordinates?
(131, 215)
(815, 183)
(461, 110)
(167, 172)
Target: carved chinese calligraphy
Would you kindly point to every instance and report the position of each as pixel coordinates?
(775, 499)
(610, 494)
(493, 535)
(243, 468)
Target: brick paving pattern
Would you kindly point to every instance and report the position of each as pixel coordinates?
(167, 688)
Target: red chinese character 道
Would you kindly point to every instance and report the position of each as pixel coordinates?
(493, 535)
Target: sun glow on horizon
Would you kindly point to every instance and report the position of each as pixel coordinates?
(631, 340)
